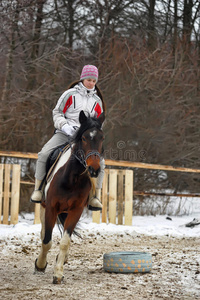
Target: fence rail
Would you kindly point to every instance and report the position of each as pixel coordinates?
(109, 162)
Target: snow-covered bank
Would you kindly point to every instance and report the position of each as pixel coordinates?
(147, 225)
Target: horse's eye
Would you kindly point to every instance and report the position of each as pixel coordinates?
(83, 139)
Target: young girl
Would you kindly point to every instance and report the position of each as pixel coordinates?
(81, 95)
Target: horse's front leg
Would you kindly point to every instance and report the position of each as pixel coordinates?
(62, 257)
(70, 223)
(46, 234)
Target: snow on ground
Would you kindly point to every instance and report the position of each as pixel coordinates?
(174, 248)
(147, 225)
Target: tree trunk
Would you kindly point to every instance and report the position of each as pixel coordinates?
(151, 25)
(36, 44)
(187, 21)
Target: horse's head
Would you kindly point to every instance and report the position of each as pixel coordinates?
(91, 138)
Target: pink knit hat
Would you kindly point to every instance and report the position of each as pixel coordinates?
(89, 71)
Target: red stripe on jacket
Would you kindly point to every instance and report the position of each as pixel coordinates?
(67, 104)
(98, 109)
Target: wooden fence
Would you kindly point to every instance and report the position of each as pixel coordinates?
(117, 198)
(117, 191)
(9, 193)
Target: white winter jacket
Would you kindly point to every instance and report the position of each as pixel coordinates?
(71, 102)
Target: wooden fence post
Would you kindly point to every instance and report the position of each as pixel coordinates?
(37, 214)
(105, 197)
(112, 196)
(96, 217)
(128, 205)
(9, 192)
(6, 194)
(15, 193)
(120, 196)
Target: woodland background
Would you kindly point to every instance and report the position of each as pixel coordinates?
(148, 55)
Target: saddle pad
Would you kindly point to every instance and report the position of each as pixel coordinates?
(61, 159)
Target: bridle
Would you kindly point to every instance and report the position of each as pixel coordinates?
(83, 158)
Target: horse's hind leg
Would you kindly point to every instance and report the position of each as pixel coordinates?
(64, 249)
(46, 231)
(62, 217)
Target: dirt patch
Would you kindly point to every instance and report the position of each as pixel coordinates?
(175, 274)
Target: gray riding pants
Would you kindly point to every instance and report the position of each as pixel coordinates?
(58, 139)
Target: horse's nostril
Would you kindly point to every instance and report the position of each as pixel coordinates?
(92, 171)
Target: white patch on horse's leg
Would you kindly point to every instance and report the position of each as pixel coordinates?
(64, 249)
(42, 258)
(66, 256)
(42, 219)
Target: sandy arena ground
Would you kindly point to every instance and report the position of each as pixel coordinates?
(175, 274)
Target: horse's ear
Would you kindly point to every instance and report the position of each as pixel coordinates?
(101, 118)
(82, 117)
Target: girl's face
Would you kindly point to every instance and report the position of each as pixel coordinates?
(89, 83)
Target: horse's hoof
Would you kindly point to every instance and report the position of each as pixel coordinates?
(57, 280)
(39, 270)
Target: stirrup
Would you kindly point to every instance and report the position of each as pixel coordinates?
(93, 208)
(36, 201)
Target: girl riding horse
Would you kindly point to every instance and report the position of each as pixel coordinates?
(69, 188)
(81, 95)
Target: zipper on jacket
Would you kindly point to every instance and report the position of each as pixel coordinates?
(93, 106)
(74, 102)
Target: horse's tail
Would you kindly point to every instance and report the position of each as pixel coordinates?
(60, 222)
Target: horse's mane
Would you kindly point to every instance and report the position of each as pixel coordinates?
(88, 124)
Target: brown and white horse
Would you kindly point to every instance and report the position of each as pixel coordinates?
(68, 191)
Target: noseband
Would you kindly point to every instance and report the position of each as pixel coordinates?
(96, 153)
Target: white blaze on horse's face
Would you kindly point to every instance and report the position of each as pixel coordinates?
(92, 147)
(93, 134)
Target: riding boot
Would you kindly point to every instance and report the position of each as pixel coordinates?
(94, 203)
(36, 196)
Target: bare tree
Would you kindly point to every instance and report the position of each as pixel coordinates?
(151, 90)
